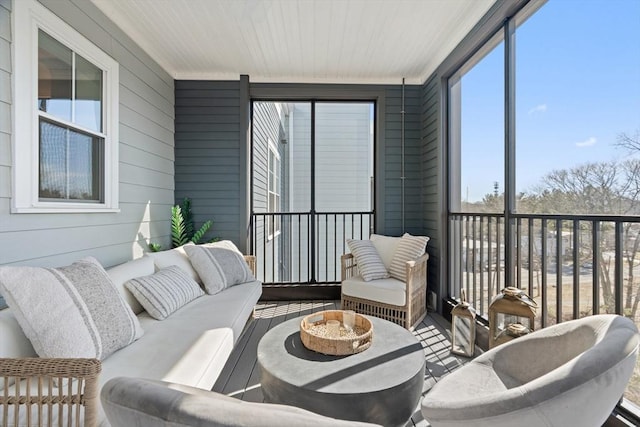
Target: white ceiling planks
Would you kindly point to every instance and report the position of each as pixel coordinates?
(313, 41)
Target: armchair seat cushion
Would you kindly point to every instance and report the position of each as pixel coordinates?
(387, 291)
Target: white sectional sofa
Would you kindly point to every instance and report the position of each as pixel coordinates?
(189, 347)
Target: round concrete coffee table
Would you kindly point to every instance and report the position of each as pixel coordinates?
(381, 385)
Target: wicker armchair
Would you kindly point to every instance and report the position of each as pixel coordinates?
(407, 315)
(28, 396)
(251, 262)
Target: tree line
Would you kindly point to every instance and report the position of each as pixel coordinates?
(596, 188)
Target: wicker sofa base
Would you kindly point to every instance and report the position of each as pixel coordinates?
(407, 317)
(76, 401)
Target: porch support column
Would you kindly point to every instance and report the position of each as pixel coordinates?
(244, 242)
(510, 152)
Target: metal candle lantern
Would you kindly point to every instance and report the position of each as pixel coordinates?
(463, 327)
(511, 314)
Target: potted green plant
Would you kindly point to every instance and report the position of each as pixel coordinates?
(183, 227)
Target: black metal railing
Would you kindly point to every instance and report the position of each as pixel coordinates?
(304, 247)
(572, 265)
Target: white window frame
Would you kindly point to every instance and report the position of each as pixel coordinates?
(27, 18)
(272, 149)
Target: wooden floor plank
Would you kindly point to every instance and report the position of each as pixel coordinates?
(240, 381)
(230, 366)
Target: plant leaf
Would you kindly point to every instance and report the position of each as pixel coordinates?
(155, 247)
(178, 236)
(198, 235)
(187, 216)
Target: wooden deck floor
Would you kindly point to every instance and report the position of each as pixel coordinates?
(241, 377)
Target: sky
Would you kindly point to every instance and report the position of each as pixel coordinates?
(577, 89)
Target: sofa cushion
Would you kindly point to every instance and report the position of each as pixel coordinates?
(13, 341)
(369, 263)
(121, 274)
(386, 247)
(71, 311)
(388, 291)
(192, 345)
(164, 292)
(409, 248)
(176, 256)
(219, 266)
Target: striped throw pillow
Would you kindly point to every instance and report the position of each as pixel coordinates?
(409, 248)
(71, 311)
(370, 264)
(165, 291)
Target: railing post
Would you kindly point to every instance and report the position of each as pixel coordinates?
(559, 262)
(456, 254)
(543, 270)
(595, 266)
(252, 233)
(576, 268)
(619, 269)
(312, 246)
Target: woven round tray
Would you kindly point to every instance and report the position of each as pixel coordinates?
(313, 334)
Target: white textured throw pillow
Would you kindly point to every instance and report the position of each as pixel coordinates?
(122, 273)
(71, 311)
(164, 292)
(219, 266)
(386, 247)
(370, 264)
(409, 248)
(176, 256)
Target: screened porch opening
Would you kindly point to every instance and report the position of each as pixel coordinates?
(312, 187)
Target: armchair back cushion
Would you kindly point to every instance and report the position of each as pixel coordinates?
(386, 247)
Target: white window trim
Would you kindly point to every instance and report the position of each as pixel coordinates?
(28, 16)
(272, 149)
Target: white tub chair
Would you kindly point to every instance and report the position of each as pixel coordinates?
(571, 374)
(147, 403)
